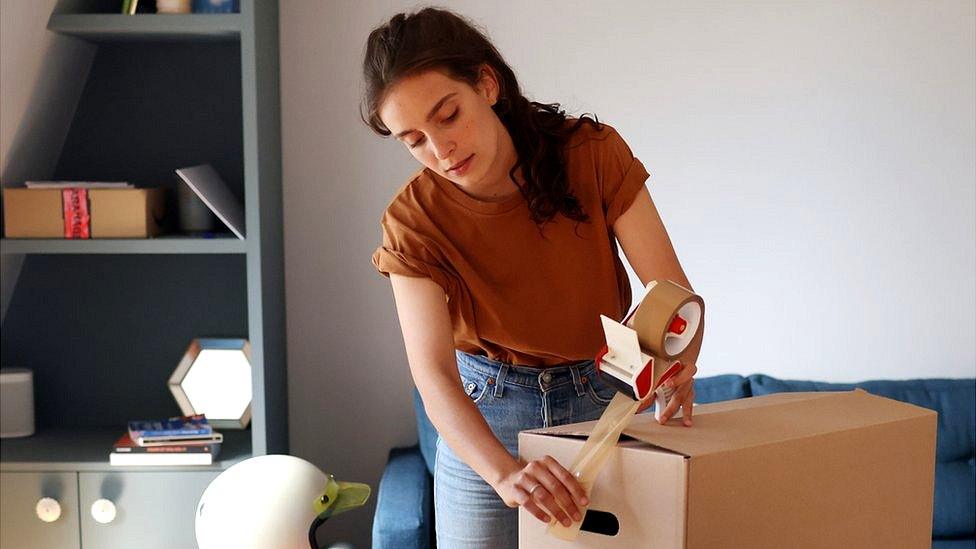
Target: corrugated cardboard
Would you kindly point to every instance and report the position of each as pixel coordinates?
(824, 469)
(115, 213)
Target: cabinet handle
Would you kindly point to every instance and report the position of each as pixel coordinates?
(103, 511)
(48, 509)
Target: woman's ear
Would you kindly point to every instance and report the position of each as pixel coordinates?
(488, 83)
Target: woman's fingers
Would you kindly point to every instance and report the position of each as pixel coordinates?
(677, 399)
(569, 481)
(550, 490)
(688, 406)
(541, 489)
(558, 489)
(545, 499)
(523, 498)
(532, 507)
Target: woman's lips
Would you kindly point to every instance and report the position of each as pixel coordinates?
(462, 168)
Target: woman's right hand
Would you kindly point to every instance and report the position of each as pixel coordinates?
(544, 488)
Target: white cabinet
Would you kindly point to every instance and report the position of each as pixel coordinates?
(20, 525)
(109, 510)
(151, 510)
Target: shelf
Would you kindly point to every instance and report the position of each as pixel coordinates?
(88, 450)
(103, 27)
(159, 245)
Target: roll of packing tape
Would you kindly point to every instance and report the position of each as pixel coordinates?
(668, 319)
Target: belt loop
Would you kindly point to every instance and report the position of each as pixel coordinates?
(500, 381)
(577, 380)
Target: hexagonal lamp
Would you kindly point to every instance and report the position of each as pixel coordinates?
(214, 379)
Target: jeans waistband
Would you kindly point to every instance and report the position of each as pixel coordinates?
(550, 377)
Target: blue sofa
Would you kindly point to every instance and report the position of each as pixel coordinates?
(405, 501)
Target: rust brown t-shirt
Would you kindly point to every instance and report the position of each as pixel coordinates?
(516, 295)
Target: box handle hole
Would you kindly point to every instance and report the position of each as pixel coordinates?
(600, 522)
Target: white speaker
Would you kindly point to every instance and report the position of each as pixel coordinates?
(16, 402)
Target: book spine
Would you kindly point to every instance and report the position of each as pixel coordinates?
(117, 459)
(201, 449)
(170, 441)
(215, 438)
(144, 433)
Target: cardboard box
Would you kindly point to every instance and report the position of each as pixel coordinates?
(115, 213)
(825, 469)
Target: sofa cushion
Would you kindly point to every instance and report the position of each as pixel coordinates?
(955, 469)
(955, 499)
(719, 388)
(404, 502)
(953, 544)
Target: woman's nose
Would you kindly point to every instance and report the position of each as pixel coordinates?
(442, 148)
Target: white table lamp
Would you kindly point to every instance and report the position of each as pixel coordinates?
(214, 379)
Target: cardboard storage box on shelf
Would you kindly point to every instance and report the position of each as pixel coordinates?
(825, 469)
(114, 213)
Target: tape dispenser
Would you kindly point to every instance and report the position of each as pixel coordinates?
(641, 352)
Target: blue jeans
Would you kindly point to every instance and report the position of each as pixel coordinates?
(468, 512)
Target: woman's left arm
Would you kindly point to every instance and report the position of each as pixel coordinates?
(648, 248)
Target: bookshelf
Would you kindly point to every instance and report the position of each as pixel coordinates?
(103, 323)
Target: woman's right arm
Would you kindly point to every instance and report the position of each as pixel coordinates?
(429, 341)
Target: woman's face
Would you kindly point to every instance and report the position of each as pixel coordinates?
(449, 127)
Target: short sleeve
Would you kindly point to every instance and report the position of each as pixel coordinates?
(621, 175)
(404, 252)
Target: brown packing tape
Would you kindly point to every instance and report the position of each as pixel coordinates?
(653, 316)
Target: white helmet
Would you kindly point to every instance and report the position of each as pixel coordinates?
(271, 501)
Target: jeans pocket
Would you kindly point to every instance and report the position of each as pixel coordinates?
(599, 391)
(475, 386)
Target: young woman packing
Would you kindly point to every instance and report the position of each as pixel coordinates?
(502, 255)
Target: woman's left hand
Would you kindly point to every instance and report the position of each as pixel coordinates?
(683, 384)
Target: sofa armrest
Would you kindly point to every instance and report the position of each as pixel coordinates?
(404, 502)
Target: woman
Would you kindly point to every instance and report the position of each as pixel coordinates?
(502, 258)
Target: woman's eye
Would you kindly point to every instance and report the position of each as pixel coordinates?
(453, 115)
(415, 143)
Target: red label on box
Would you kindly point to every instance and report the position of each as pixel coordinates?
(77, 220)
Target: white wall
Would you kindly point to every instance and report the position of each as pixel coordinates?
(41, 78)
(813, 162)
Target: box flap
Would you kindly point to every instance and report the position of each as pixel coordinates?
(755, 421)
(768, 419)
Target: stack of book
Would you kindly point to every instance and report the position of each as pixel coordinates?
(183, 440)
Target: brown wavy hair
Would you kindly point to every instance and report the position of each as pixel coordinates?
(434, 38)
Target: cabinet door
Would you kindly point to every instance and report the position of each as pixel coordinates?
(151, 509)
(20, 525)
